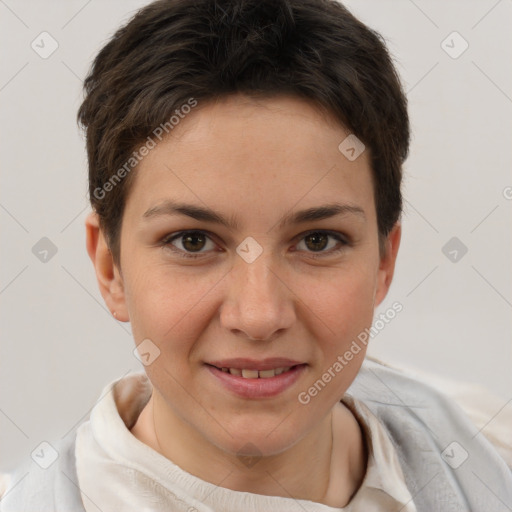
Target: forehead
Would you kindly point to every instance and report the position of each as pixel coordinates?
(239, 125)
(259, 154)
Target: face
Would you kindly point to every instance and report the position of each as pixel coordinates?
(220, 270)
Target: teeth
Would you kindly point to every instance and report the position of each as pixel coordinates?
(265, 374)
(250, 374)
(255, 374)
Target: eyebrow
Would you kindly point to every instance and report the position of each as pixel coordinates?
(207, 215)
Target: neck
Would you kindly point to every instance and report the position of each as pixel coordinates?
(302, 472)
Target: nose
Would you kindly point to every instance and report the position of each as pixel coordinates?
(259, 303)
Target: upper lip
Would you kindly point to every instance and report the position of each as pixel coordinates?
(253, 364)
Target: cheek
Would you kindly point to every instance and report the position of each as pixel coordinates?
(168, 305)
(342, 302)
(347, 310)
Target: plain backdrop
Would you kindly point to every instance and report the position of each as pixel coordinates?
(59, 344)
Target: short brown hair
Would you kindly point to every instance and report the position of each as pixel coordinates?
(175, 50)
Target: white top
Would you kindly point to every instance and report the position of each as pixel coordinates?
(116, 471)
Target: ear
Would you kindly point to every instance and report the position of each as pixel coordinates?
(109, 277)
(387, 263)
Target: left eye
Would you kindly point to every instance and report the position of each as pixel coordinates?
(317, 241)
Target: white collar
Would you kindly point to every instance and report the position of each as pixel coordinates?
(105, 445)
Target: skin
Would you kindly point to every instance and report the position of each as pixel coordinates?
(254, 161)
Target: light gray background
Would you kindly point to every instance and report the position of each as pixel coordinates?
(60, 346)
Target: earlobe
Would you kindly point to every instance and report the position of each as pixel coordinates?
(109, 278)
(387, 263)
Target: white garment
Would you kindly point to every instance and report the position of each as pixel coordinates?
(490, 414)
(116, 471)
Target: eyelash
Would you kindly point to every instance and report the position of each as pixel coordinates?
(166, 242)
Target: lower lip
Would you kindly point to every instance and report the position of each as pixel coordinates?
(258, 388)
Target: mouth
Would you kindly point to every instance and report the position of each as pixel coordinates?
(247, 373)
(253, 379)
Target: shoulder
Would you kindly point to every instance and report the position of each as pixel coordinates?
(35, 487)
(434, 438)
(491, 415)
(383, 386)
(5, 479)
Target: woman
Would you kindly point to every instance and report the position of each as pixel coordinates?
(245, 162)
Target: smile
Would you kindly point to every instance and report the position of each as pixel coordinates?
(254, 383)
(256, 374)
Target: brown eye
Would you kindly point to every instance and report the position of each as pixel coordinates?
(189, 244)
(193, 241)
(317, 241)
(325, 243)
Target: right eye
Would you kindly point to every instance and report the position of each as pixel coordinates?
(191, 242)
